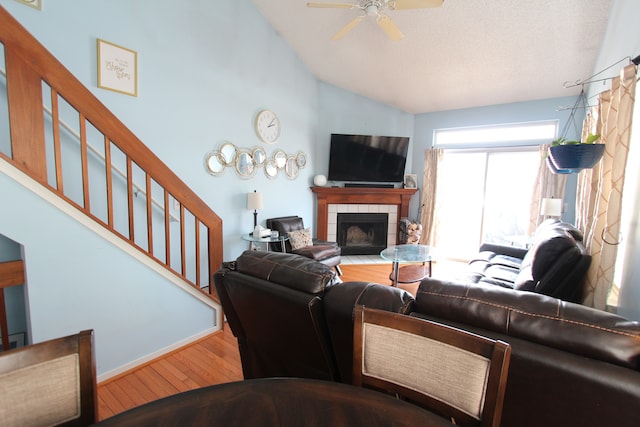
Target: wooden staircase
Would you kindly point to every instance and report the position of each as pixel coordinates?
(59, 129)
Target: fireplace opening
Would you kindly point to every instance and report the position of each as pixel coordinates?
(362, 233)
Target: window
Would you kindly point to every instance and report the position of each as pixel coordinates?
(484, 193)
(532, 133)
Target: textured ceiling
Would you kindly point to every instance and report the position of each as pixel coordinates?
(466, 53)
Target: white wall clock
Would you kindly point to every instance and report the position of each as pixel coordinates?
(268, 126)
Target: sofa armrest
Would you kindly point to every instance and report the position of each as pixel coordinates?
(504, 250)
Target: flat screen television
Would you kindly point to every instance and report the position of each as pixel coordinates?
(367, 158)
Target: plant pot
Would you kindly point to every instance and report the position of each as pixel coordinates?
(576, 157)
(555, 170)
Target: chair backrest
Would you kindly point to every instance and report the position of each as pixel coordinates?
(457, 374)
(49, 383)
(283, 225)
(274, 305)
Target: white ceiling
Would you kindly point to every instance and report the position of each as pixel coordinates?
(466, 53)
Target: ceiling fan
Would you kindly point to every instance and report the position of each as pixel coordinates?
(372, 8)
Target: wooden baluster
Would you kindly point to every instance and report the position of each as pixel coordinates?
(197, 232)
(167, 229)
(130, 199)
(149, 216)
(109, 179)
(183, 258)
(84, 164)
(55, 121)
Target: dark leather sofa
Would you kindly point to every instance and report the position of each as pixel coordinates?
(570, 365)
(555, 264)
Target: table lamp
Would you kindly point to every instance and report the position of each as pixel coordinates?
(254, 201)
(551, 208)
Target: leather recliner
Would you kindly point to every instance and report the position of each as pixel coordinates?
(281, 307)
(554, 265)
(328, 253)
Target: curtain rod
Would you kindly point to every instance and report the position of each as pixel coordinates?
(590, 80)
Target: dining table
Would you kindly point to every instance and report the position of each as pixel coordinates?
(278, 402)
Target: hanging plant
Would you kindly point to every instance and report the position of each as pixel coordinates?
(576, 155)
(570, 156)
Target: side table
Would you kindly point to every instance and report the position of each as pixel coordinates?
(408, 253)
(267, 239)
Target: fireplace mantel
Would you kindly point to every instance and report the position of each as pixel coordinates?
(359, 195)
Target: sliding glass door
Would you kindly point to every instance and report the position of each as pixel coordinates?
(483, 196)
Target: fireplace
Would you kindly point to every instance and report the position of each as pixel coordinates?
(362, 233)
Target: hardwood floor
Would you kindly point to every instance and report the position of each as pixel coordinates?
(211, 360)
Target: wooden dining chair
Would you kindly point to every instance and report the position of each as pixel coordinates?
(457, 374)
(49, 383)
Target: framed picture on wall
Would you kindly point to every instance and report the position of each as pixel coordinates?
(117, 68)
(410, 180)
(36, 4)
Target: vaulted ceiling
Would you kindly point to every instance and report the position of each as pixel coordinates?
(465, 53)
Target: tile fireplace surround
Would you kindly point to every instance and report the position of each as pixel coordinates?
(335, 209)
(334, 200)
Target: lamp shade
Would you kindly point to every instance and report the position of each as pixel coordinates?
(254, 201)
(551, 207)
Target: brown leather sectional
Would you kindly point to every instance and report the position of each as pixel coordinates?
(570, 364)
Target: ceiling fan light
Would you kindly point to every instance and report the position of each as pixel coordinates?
(372, 10)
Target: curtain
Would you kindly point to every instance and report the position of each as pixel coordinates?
(548, 185)
(599, 198)
(428, 200)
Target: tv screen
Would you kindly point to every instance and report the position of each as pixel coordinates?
(367, 158)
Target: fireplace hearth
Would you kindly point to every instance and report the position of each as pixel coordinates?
(362, 233)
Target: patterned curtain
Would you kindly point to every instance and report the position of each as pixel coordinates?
(428, 200)
(599, 198)
(548, 185)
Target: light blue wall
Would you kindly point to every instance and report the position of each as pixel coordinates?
(205, 69)
(344, 112)
(72, 285)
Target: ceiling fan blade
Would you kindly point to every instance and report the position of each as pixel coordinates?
(332, 5)
(340, 34)
(414, 4)
(389, 27)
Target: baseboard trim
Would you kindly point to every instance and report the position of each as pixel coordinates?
(138, 363)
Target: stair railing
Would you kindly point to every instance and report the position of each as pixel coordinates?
(118, 181)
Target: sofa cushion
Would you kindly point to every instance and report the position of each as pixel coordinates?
(291, 270)
(535, 317)
(319, 252)
(300, 238)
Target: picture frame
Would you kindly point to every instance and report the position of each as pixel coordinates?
(410, 180)
(36, 4)
(117, 68)
(15, 341)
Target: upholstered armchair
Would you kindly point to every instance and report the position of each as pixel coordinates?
(301, 243)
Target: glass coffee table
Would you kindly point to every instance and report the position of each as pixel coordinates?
(420, 255)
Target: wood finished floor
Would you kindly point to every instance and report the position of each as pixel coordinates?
(211, 360)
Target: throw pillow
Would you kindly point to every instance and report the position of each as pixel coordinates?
(300, 238)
